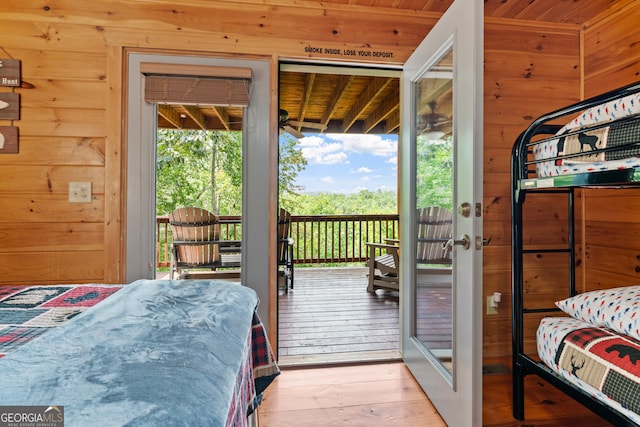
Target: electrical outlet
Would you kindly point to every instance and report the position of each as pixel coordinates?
(79, 192)
(490, 309)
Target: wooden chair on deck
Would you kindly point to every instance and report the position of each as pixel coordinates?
(285, 250)
(434, 228)
(196, 235)
(383, 268)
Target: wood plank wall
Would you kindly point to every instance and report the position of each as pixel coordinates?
(72, 53)
(529, 70)
(612, 247)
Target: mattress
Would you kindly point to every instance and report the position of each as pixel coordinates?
(610, 125)
(600, 362)
(155, 352)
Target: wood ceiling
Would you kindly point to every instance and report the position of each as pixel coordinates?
(349, 103)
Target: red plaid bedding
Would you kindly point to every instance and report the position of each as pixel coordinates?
(26, 312)
(597, 359)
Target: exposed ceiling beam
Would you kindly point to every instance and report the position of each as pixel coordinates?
(390, 104)
(393, 121)
(223, 115)
(432, 90)
(170, 115)
(308, 87)
(196, 115)
(367, 96)
(341, 87)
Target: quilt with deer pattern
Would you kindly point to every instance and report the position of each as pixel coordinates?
(598, 360)
(614, 125)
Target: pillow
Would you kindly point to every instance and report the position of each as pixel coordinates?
(617, 309)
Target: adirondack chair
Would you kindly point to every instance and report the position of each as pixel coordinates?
(285, 250)
(434, 228)
(383, 268)
(196, 241)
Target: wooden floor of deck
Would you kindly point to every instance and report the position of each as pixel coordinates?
(330, 317)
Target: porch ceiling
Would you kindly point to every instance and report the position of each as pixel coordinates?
(366, 104)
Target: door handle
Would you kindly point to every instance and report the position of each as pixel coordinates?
(465, 242)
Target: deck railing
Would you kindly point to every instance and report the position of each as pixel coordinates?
(318, 239)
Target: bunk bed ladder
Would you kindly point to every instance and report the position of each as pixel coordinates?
(520, 365)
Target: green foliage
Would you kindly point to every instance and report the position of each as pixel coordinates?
(185, 159)
(363, 202)
(434, 172)
(184, 165)
(291, 162)
(184, 178)
(227, 180)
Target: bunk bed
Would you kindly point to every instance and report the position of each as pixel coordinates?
(154, 352)
(587, 344)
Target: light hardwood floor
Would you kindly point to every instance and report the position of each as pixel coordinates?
(371, 395)
(386, 394)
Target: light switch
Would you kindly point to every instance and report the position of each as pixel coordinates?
(79, 192)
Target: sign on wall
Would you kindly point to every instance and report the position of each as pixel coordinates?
(10, 72)
(8, 139)
(9, 104)
(350, 53)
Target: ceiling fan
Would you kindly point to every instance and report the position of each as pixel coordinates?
(433, 123)
(289, 126)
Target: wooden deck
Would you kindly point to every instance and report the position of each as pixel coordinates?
(330, 317)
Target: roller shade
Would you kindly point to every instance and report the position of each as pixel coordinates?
(196, 85)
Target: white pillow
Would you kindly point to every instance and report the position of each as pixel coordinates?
(617, 309)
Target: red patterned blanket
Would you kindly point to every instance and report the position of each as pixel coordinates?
(606, 361)
(28, 311)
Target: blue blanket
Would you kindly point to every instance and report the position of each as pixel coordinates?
(156, 353)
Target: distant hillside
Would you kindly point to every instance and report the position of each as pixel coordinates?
(364, 202)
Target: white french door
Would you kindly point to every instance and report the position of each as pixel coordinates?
(441, 162)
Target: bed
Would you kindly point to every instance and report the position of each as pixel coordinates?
(155, 352)
(587, 344)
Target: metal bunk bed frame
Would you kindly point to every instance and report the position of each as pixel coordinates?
(521, 185)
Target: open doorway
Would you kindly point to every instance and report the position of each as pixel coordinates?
(338, 178)
(198, 176)
(258, 193)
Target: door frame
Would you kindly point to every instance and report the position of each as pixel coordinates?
(258, 193)
(462, 26)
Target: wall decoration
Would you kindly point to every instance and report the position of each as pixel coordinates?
(8, 140)
(9, 106)
(10, 76)
(9, 72)
(355, 53)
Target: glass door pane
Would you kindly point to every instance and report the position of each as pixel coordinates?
(434, 201)
(441, 164)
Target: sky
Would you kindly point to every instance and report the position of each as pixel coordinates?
(349, 163)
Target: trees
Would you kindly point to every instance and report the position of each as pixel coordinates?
(291, 162)
(434, 172)
(185, 160)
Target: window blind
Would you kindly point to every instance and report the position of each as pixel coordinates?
(196, 84)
